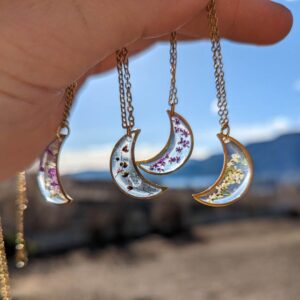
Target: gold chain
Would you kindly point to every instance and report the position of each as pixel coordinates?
(21, 202)
(4, 275)
(218, 65)
(125, 90)
(173, 99)
(21, 258)
(68, 98)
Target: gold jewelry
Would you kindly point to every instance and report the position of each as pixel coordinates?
(122, 161)
(237, 172)
(21, 258)
(179, 146)
(48, 175)
(4, 275)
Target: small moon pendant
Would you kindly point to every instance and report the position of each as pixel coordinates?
(48, 175)
(235, 178)
(176, 152)
(125, 173)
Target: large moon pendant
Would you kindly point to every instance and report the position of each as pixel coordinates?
(48, 175)
(177, 150)
(125, 173)
(236, 176)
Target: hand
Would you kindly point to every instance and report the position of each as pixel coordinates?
(46, 45)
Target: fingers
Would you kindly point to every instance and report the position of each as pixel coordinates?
(255, 21)
(52, 43)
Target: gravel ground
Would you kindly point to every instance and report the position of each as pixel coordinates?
(249, 260)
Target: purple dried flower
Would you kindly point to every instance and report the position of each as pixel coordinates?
(184, 143)
(179, 149)
(49, 151)
(52, 172)
(172, 160)
(161, 160)
(177, 121)
(185, 133)
(181, 141)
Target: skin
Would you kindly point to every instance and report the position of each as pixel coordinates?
(46, 45)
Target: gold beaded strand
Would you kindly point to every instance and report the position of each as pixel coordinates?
(21, 258)
(4, 275)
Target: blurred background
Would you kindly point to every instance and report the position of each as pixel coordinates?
(109, 247)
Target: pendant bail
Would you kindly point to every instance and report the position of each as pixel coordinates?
(225, 130)
(172, 109)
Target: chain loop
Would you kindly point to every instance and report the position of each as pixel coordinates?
(21, 258)
(126, 105)
(173, 98)
(4, 275)
(218, 66)
(68, 98)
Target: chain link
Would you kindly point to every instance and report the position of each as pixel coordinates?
(173, 98)
(68, 98)
(4, 275)
(125, 90)
(218, 66)
(21, 258)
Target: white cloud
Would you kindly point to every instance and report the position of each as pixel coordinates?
(214, 106)
(92, 159)
(296, 85)
(264, 131)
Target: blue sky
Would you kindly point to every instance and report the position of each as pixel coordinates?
(263, 87)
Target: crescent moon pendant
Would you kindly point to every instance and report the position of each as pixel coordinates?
(125, 173)
(48, 175)
(235, 179)
(177, 150)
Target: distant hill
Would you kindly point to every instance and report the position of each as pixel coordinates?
(277, 161)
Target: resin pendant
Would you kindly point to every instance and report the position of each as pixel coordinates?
(236, 176)
(48, 175)
(125, 173)
(176, 152)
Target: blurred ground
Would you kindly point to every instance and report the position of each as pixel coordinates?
(251, 260)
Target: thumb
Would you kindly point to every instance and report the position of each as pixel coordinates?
(55, 42)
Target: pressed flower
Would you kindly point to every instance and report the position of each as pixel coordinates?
(125, 149)
(179, 149)
(177, 129)
(234, 175)
(177, 121)
(185, 133)
(186, 144)
(49, 151)
(52, 172)
(172, 159)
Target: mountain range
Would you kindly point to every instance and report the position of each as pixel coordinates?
(274, 161)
